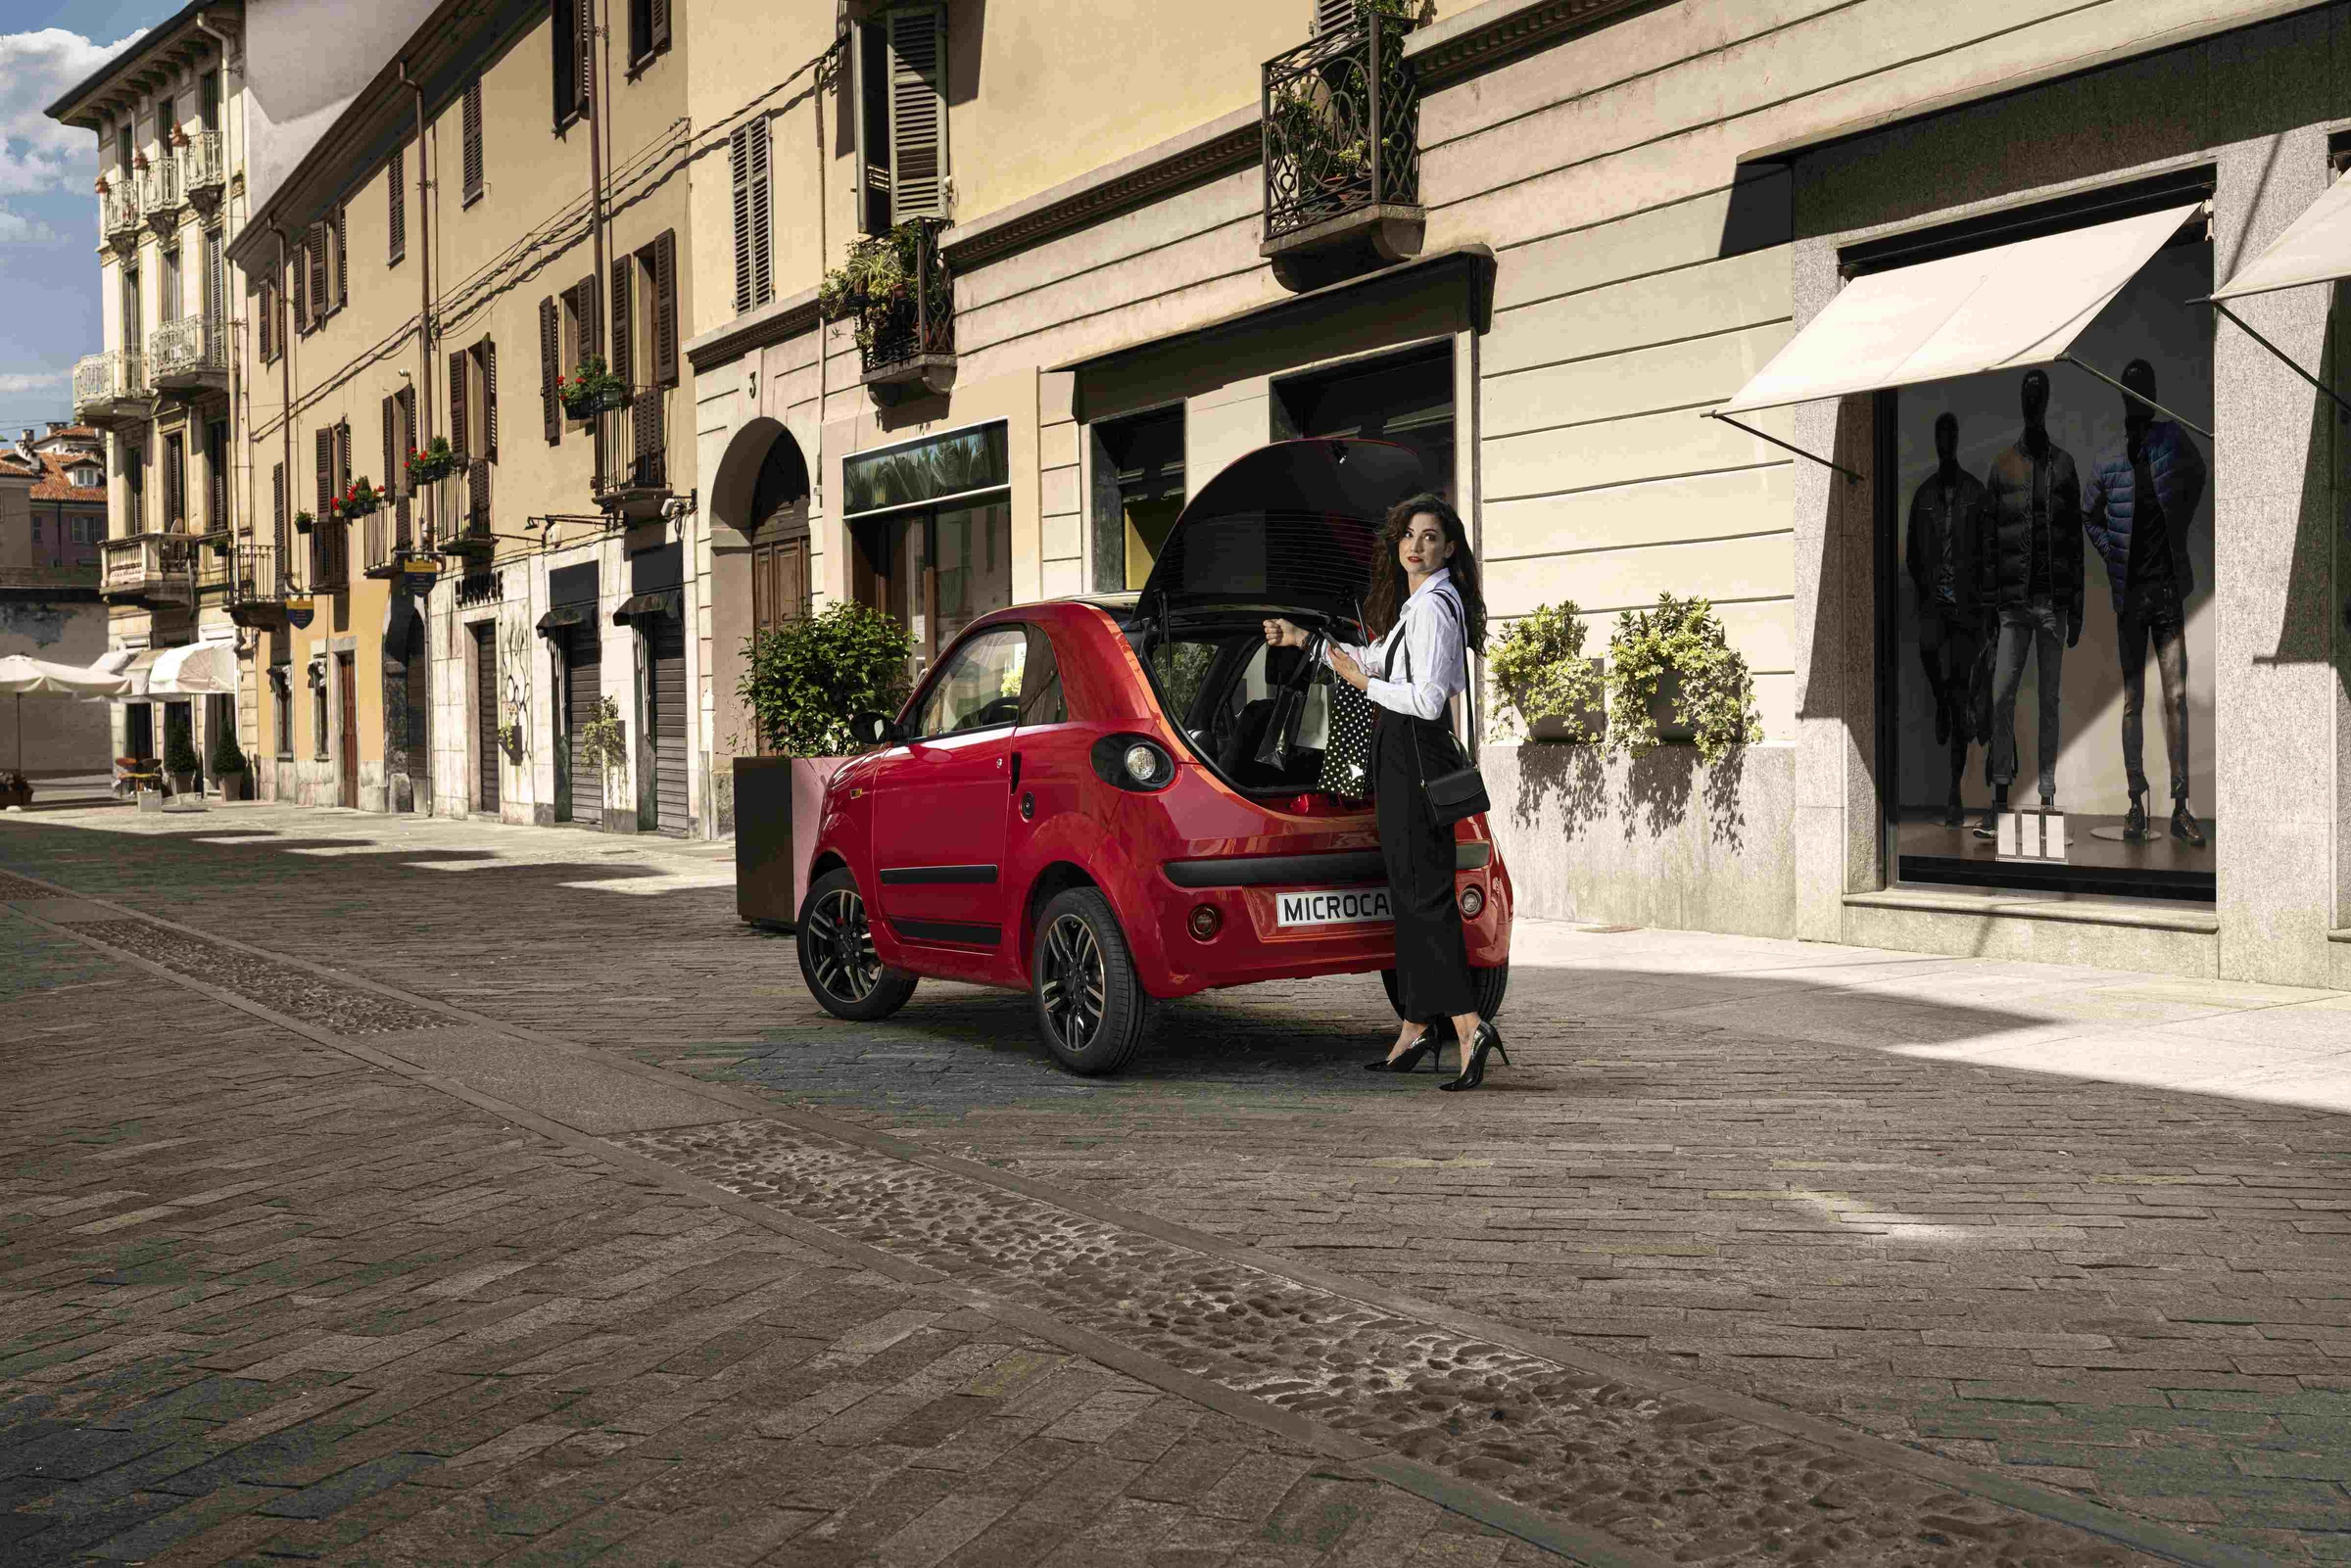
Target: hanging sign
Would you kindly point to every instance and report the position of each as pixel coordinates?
(299, 612)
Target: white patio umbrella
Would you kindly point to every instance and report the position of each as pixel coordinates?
(20, 674)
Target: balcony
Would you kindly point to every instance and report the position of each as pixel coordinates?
(160, 196)
(631, 455)
(204, 170)
(110, 387)
(1342, 128)
(215, 568)
(387, 537)
(257, 589)
(119, 211)
(150, 569)
(189, 354)
(907, 342)
(462, 520)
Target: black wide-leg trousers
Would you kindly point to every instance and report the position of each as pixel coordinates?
(1432, 960)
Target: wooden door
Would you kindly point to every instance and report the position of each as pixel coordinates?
(583, 684)
(666, 692)
(485, 715)
(346, 761)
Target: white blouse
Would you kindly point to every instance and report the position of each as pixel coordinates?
(1430, 624)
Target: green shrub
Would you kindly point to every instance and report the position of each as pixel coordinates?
(807, 676)
(179, 751)
(603, 741)
(1716, 690)
(227, 756)
(1541, 669)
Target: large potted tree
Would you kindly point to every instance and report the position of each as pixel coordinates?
(802, 683)
(229, 766)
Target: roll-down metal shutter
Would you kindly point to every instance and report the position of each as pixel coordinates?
(583, 684)
(485, 715)
(667, 638)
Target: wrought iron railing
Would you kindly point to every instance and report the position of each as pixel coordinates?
(632, 443)
(388, 535)
(203, 163)
(159, 185)
(216, 566)
(259, 576)
(147, 565)
(1342, 124)
(921, 322)
(118, 205)
(194, 345)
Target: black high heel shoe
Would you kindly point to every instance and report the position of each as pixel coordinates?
(1409, 1059)
(1473, 1065)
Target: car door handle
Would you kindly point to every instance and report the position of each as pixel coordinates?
(1016, 770)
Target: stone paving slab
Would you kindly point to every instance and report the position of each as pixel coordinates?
(266, 1301)
(1801, 1212)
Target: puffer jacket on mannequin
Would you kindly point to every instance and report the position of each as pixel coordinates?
(2005, 536)
(2111, 507)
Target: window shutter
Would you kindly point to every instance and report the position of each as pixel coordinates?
(1333, 15)
(661, 24)
(488, 354)
(754, 266)
(472, 123)
(172, 518)
(404, 442)
(267, 310)
(341, 259)
(392, 454)
(641, 28)
(461, 433)
(550, 351)
(739, 167)
(869, 45)
(665, 310)
(318, 293)
(563, 46)
(215, 467)
(592, 318)
(918, 115)
(300, 290)
(621, 346)
(583, 49)
(278, 498)
(396, 193)
(342, 456)
(326, 477)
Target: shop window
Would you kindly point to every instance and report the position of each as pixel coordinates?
(1139, 490)
(2045, 548)
(930, 526)
(281, 692)
(1406, 399)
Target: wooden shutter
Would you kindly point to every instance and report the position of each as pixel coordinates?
(472, 126)
(551, 354)
(664, 370)
(1333, 15)
(318, 293)
(918, 115)
(342, 456)
(327, 478)
(563, 44)
(488, 354)
(278, 498)
(584, 50)
(216, 470)
(396, 193)
(755, 250)
(174, 503)
(659, 11)
(405, 442)
(621, 346)
(393, 466)
(263, 327)
(300, 292)
(460, 433)
(341, 259)
(869, 45)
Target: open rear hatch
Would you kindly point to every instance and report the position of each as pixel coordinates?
(1288, 530)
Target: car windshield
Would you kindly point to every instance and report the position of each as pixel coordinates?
(1221, 687)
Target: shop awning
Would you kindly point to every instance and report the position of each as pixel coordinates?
(2316, 248)
(563, 615)
(138, 667)
(2003, 307)
(20, 674)
(198, 669)
(647, 606)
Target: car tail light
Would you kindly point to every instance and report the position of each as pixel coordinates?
(1133, 762)
(1474, 902)
(1207, 920)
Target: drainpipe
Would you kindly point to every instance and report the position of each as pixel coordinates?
(596, 169)
(285, 412)
(424, 273)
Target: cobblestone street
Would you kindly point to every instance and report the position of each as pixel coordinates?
(408, 1191)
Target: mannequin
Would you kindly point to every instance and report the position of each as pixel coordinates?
(2029, 579)
(2136, 514)
(1941, 555)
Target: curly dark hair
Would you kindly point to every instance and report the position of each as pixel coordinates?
(1388, 586)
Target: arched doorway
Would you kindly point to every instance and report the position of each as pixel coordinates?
(762, 564)
(780, 546)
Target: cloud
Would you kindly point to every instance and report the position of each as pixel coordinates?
(17, 229)
(37, 381)
(36, 153)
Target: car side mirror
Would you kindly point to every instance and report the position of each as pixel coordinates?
(871, 729)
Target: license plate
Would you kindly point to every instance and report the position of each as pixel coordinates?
(1339, 906)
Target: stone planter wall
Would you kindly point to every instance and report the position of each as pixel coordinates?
(1664, 841)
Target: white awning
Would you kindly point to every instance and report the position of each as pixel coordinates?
(1999, 308)
(2316, 248)
(21, 674)
(198, 669)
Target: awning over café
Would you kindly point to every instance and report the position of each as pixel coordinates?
(2003, 307)
(196, 669)
(2316, 248)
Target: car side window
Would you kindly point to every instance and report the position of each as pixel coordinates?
(979, 686)
(1043, 700)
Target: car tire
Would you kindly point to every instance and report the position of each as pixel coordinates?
(1487, 987)
(1090, 1007)
(836, 942)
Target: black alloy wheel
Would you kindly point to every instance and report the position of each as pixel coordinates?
(1090, 1007)
(836, 942)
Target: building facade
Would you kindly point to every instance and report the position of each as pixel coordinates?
(51, 522)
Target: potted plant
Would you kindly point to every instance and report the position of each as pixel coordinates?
(1674, 678)
(229, 767)
(590, 389)
(360, 500)
(1545, 678)
(803, 682)
(304, 522)
(15, 790)
(180, 762)
(876, 282)
(432, 462)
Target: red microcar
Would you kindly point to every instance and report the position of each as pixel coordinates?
(1111, 800)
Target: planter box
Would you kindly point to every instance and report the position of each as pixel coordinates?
(777, 802)
(1671, 730)
(13, 796)
(1588, 726)
(235, 785)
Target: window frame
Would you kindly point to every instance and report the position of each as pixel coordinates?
(965, 646)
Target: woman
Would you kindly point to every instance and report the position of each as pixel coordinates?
(1429, 609)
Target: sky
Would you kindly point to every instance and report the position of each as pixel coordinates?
(48, 213)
